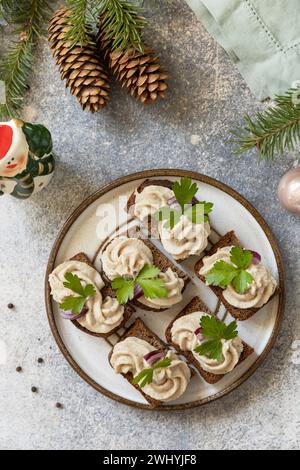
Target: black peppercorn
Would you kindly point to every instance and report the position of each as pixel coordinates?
(10, 306)
(19, 369)
(34, 390)
(40, 360)
(59, 405)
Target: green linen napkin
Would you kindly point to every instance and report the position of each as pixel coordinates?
(261, 36)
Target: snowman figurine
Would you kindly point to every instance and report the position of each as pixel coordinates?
(26, 160)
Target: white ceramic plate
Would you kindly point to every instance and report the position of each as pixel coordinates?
(86, 231)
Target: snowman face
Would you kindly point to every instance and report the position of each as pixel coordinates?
(13, 149)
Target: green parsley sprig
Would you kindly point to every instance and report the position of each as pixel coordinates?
(145, 377)
(214, 331)
(223, 274)
(148, 279)
(76, 303)
(185, 191)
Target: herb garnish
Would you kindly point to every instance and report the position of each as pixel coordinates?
(153, 286)
(223, 274)
(146, 375)
(214, 331)
(184, 191)
(76, 303)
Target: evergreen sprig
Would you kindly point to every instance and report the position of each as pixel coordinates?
(29, 18)
(81, 20)
(123, 24)
(273, 131)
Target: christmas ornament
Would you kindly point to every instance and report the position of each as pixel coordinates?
(26, 160)
(139, 72)
(289, 190)
(80, 66)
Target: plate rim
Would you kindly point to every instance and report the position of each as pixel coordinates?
(150, 174)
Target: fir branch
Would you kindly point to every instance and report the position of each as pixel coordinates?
(122, 22)
(273, 131)
(81, 19)
(29, 18)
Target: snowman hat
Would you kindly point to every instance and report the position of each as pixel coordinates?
(13, 142)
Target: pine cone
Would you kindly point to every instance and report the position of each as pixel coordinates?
(140, 72)
(80, 66)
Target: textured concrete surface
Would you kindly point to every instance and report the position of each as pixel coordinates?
(190, 130)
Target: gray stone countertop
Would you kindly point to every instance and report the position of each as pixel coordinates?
(207, 98)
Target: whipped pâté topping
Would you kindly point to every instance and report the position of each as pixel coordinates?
(259, 291)
(168, 384)
(102, 317)
(174, 285)
(150, 200)
(185, 238)
(125, 257)
(183, 334)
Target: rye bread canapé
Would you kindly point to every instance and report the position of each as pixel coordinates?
(147, 363)
(237, 277)
(142, 274)
(86, 299)
(172, 213)
(212, 347)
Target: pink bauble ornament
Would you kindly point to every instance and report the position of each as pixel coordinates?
(289, 190)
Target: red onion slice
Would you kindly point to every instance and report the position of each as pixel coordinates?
(173, 203)
(154, 356)
(256, 257)
(198, 333)
(138, 292)
(68, 315)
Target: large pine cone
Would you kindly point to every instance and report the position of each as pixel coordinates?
(80, 66)
(140, 72)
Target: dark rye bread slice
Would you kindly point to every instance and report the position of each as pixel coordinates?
(197, 305)
(239, 314)
(161, 262)
(141, 331)
(106, 291)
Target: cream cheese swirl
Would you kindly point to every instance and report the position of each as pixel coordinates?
(169, 383)
(150, 200)
(185, 239)
(102, 317)
(260, 290)
(183, 334)
(174, 285)
(125, 257)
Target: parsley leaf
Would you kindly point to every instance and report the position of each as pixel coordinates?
(76, 303)
(223, 274)
(241, 258)
(145, 377)
(242, 281)
(153, 286)
(215, 331)
(73, 283)
(148, 272)
(124, 288)
(184, 191)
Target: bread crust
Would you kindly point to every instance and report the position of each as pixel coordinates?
(106, 291)
(239, 314)
(195, 305)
